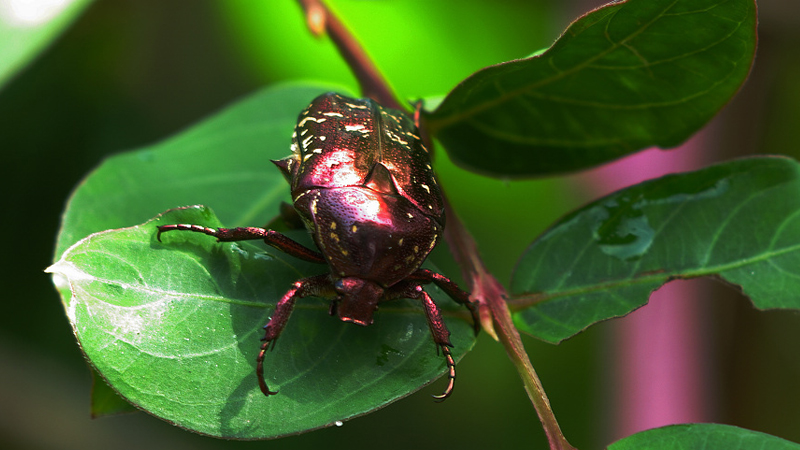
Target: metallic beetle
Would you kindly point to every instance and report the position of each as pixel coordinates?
(362, 183)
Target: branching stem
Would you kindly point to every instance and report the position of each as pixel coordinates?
(486, 290)
(491, 295)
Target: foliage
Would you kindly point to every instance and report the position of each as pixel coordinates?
(173, 326)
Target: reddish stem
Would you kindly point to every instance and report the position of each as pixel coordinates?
(486, 290)
(491, 295)
(373, 85)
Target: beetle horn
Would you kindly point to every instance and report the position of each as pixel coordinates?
(285, 165)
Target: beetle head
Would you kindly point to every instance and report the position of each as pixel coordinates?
(358, 300)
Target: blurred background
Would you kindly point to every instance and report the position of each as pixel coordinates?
(128, 73)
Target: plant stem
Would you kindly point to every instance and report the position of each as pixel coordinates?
(486, 290)
(373, 85)
(490, 295)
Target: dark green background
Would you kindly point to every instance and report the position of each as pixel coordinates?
(129, 73)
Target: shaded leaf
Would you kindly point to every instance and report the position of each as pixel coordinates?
(738, 221)
(27, 27)
(706, 436)
(624, 77)
(174, 327)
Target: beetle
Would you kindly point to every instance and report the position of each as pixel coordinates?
(362, 183)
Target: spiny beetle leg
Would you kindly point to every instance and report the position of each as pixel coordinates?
(272, 238)
(439, 331)
(316, 285)
(451, 289)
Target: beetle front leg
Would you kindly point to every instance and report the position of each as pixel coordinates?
(272, 238)
(316, 285)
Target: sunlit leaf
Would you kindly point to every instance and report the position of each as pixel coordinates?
(28, 26)
(174, 327)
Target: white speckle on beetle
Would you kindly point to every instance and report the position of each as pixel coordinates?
(358, 127)
(307, 141)
(396, 138)
(312, 119)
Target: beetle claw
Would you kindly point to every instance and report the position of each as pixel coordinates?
(451, 365)
(262, 384)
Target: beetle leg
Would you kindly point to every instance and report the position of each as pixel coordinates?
(316, 285)
(452, 289)
(439, 331)
(273, 238)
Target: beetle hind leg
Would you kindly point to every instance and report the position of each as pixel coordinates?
(451, 375)
(262, 384)
(439, 331)
(316, 285)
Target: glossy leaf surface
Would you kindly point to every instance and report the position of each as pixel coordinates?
(222, 162)
(738, 221)
(175, 326)
(27, 27)
(706, 436)
(624, 77)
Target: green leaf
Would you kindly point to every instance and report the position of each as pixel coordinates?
(222, 162)
(28, 26)
(738, 221)
(174, 327)
(706, 436)
(624, 77)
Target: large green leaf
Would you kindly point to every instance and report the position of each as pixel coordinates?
(738, 221)
(174, 327)
(706, 436)
(222, 162)
(28, 26)
(630, 75)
